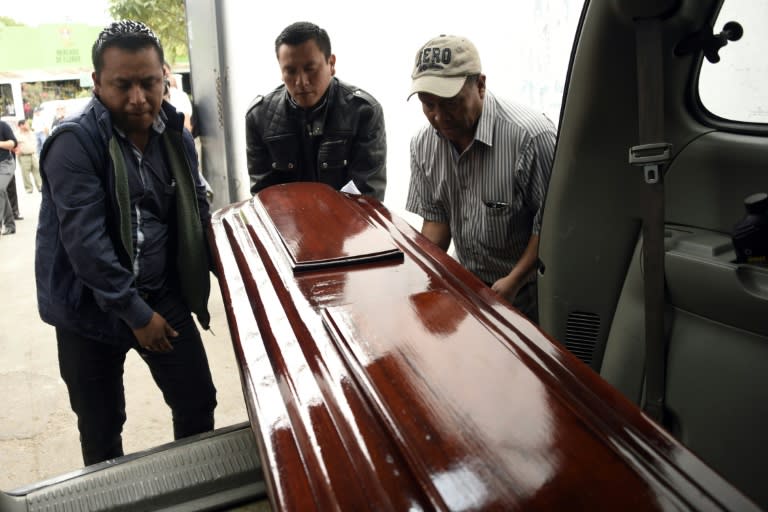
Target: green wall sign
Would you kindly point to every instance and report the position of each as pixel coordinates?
(47, 47)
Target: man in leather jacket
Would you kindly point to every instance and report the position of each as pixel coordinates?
(315, 127)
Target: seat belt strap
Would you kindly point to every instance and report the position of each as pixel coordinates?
(652, 154)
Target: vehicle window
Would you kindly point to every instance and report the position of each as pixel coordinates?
(735, 88)
(6, 101)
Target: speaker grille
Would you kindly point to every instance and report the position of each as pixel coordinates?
(581, 334)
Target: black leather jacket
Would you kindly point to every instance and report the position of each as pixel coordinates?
(343, 139)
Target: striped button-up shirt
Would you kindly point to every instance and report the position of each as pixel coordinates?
(492, 194)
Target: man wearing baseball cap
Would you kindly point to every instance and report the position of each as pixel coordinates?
(479, 170)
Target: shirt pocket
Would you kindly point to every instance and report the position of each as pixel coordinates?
(496, 223)
(167, 199)
(283, 152)
(333, 155)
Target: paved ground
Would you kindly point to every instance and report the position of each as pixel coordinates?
(38, 433)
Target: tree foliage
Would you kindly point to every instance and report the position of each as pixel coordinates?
(10, 22)
(166, 18)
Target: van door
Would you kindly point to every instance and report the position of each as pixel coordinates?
(591, 283)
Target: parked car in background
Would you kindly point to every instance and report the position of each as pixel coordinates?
(48, 109)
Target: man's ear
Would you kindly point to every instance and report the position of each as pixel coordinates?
(481, 85)
(332, 62)
(96, 82)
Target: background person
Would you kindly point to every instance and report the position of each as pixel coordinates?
(61, 113)
(176, 96)
(479, 170)
(26, 153)
(121, 255)
(7, 169)
(315, 127)
(40, 129)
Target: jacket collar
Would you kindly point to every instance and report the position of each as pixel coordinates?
(484, 131)
(168, 118)
(314, 118)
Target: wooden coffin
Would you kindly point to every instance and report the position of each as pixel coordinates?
(380, 375)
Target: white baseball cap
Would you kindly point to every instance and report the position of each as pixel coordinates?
(443, 64)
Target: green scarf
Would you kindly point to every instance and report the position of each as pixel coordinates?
(191, 247)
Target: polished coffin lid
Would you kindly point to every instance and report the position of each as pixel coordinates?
(381, 375)
(304, 230)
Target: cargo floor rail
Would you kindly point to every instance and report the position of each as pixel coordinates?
(211, 471)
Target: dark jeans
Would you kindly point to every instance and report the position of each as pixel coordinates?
(13, 197)
(527, 301)
(7, 167)
(93, 373)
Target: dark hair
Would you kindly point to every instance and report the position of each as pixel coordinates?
(22, 121)
(301, 32)
(472, 79)
(126, 35)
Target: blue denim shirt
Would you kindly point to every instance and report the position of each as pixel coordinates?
(152, 191)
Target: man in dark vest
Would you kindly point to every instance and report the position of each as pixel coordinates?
(121, 256)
